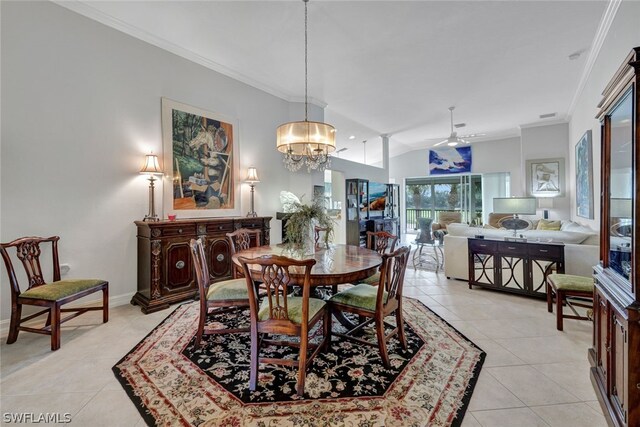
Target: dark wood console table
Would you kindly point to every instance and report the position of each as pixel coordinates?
(165, 268)
(517, 267)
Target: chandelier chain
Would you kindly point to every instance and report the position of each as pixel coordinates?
(306, 61)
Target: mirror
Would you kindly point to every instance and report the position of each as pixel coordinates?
(620, 197)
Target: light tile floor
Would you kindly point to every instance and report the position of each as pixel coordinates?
(533, 374)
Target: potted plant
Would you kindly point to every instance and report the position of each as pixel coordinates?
(301, 222)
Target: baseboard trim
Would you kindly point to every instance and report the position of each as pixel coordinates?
(114, 301)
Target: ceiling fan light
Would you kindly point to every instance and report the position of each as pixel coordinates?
(452, 143)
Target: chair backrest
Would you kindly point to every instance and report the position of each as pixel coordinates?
(202, 271)
(381, 241)
(317, 230)
(240, 240)
(447, 217)
(392, 271)
(275, 277)
(425, 230)
(28, 252)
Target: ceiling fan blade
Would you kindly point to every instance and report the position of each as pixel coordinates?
(440, 143)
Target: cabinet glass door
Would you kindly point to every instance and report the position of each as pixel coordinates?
(621, 187)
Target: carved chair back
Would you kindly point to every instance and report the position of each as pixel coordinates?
(381, 241)
(201, 268)
(28, 252)
(317, 230)
(275, 276)
(392, 272)
(240, 240)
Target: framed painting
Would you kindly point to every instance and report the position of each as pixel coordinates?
(545, 177)
(584, 177)
(201, 162)
(449, 160)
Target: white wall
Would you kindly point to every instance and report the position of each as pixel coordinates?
(487, 157)
(623, 35)
(81, 107)
(546, 142)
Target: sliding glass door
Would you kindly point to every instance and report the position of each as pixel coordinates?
(426, 197)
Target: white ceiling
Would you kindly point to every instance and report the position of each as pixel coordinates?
(384, 67)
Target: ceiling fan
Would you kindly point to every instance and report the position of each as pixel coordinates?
(454, 139)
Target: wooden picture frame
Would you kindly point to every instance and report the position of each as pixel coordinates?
(545, 177)
(201, 162)
(584, 176)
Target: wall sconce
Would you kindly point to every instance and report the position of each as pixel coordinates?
(545, 203)
(252, 179)
(151, 167)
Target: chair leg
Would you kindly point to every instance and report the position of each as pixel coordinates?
(302, 365)
(16, 313)
(200, 331)
(55, 327)
(253, 369)
(400, 325)
(549, 298)
(382, 345)
(48, 322)
(559, 300)
(105, 304)
(326, 324)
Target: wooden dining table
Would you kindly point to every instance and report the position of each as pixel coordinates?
(335, 263)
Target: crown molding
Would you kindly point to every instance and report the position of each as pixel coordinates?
(560, 121)
(601, 34)
(84, 9)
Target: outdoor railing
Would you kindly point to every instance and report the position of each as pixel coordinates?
(412, 215)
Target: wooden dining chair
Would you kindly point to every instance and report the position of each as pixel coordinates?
(52, 295)
(376, 303)
(225, 296)
(241, 240)
(283, 314)
(316, 233)
(381, 242)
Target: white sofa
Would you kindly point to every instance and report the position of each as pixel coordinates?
(581, 250)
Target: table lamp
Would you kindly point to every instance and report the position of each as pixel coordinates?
(252, 179)
(151, 167)
(516, 206)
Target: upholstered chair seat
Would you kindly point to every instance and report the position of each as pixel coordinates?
(360, 296)
(61, 289)
(234, 289)
(294, 308)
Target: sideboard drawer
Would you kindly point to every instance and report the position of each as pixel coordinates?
(483, 246)
(220, 227)
(544, 251)
(512, 248)
(177, 230)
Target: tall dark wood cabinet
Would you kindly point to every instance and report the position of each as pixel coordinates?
(165, 268)
(615, 355)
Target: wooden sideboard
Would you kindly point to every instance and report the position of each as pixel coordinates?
(165, 269)
(517, 267)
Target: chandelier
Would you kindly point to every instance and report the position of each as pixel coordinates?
(306, 143)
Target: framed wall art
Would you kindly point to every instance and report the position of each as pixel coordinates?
(201, 162)
(449, 160)
(584, 177)
(545, 177)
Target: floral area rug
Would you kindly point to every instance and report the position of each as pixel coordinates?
(429, 384)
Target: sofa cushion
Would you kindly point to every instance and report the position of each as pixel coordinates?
(463, 230)
(545, 224)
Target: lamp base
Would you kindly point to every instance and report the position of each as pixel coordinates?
(151, 218)
(252, 214)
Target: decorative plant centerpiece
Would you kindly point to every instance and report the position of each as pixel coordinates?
(301, 222)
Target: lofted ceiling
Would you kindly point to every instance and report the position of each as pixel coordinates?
(384, 67)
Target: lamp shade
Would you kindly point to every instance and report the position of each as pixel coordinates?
(515, 205)
(252, 175)
(151, 165)
(306, 138)
(620, 208)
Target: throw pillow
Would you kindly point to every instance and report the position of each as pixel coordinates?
(545, 224)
